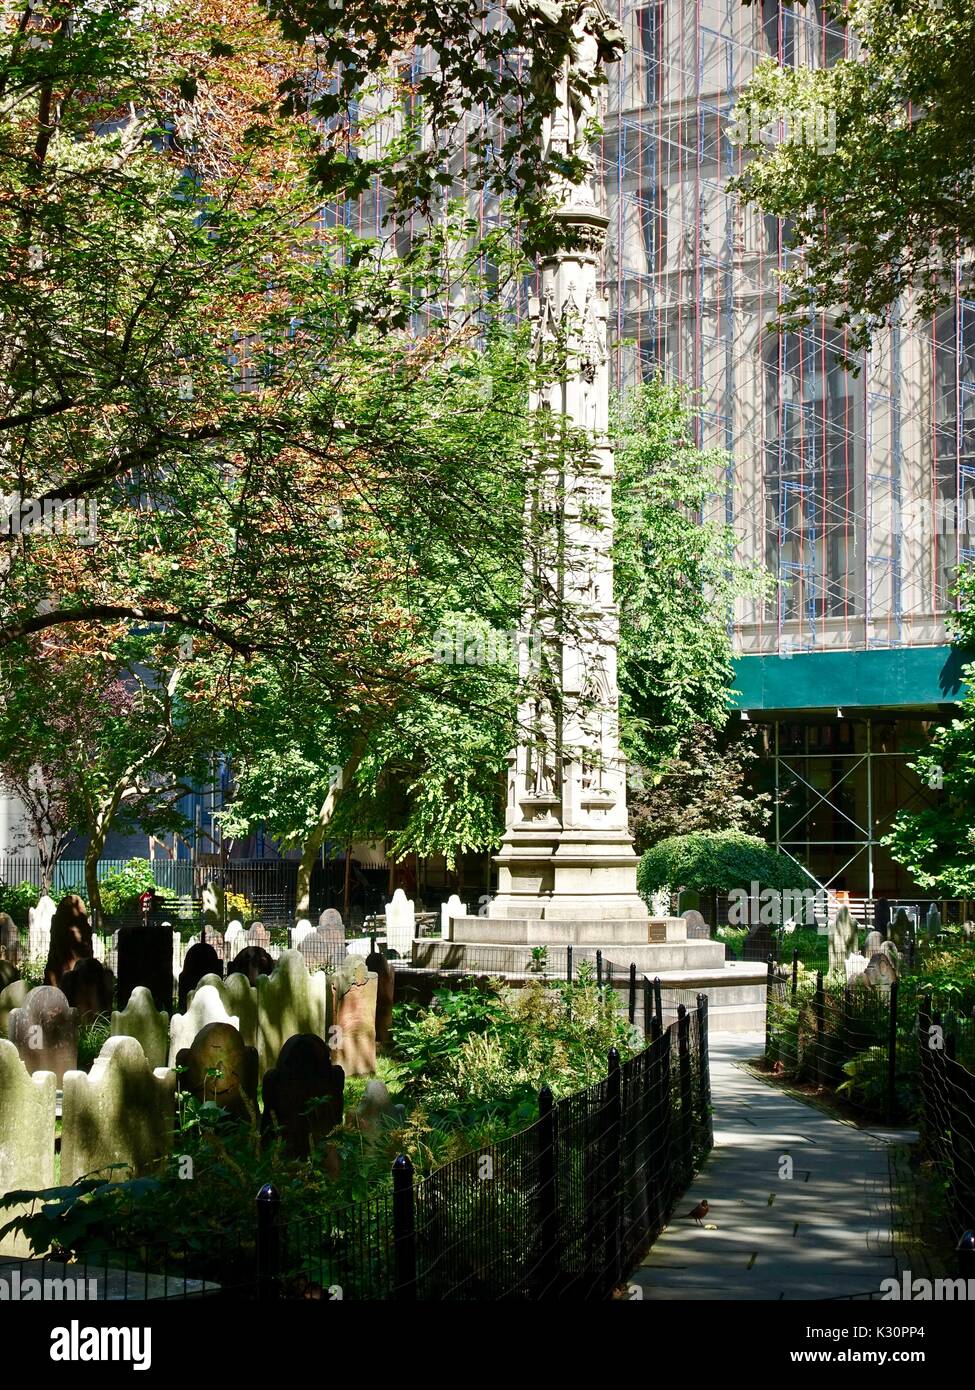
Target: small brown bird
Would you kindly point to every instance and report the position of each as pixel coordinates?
(699, 1213)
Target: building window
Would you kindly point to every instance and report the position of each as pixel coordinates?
(953, 539)
(649, 22)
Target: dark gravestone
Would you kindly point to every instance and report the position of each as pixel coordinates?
(304, 1094)
(89, 988)
(145, 957)
(70, 939)
(201, 959)
(384, 994)
(8, 973)
(251, 961)
(220, 1067)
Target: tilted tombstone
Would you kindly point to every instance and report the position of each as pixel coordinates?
(201, 959)
(400, 924)
(205, 1006)
(385, 988)
(11, 997)
(27, 1121)
(70, 939)
(145, 957)
(303, 1093)
(354, 990)
(219, 1066)
(119, 1116)
(697, 927)
(252, 961)
(290, 1001)
(888, 949)
(843, 938)
(140, 1019)
(45, 1032)
(90, 988)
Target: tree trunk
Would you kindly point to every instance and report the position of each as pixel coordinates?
(316, 837)
(92, 855)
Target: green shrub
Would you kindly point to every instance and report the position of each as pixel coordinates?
(16, 899)
(715, 861)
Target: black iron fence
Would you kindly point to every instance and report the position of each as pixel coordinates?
(566, 1208)
(946, 1111)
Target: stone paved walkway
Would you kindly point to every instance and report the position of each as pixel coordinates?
(821, 1234)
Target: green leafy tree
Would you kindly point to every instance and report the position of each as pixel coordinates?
(721, 860)
(890, 211)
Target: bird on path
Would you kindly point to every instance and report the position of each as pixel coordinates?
(699, 1213)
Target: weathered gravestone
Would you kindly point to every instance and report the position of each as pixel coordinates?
(239, 999)
(252, 961)
(843, 938)
(220, 1067)
(234, 933)
(290, 1001)
(145, 957)
(304, 1093)
(201, 959)
(873, 943)
(331, 921)
(385, 988)
(140, 1019)
(452, 908)
(120, 1115)
(301, 929)
(205, 1006)
(212, 905)
(932, 922)
(70, 939)
(89, 987)
(9, 939)
(400, 924)
(376, 1111)
(45, 1032)
(39, 921)
(26, 1136)
(889, 950)
(12, 997)
(354, 990)
(8, 973)
(697, 927)
(854, 965)
(881, 972)
(259, 936)
(901, 928)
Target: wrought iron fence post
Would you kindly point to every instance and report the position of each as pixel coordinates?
(268, 1243)
(647, 1007)
(599, 969)
(613, 1150)
(404, 1231)
(686, 1094)
(769, 982)
(631, 1010)
(548, 1211)
(892, 1054)
(704, 1064)
(819, 1010)
(568, 964)
(657, 999)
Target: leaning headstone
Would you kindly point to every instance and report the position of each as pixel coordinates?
(239, 999)
(220, 1067)
(70, 938)
(8, 973)
(289, 1001)
(697, 927)
(45, 1032)
(205, 1007)
(873, 943)
(145, 957)
(90, 989)
(252, 961)
(400, 924)
(140, 1019)
(452, 908)
(880, 973)
(843, 938)
(201, 959)
(26, 1136)
(12, 997)
(901, 928)
(888, 949)
(354, 990)
(385, 987)
(117, 1120)
(39, 921)
(304, 1093)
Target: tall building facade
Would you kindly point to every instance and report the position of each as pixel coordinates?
(852, 490)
